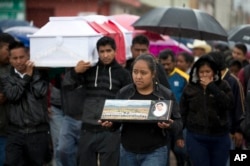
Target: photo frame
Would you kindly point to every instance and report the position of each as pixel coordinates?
(137, 110)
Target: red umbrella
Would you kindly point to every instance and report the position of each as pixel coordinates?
(126, 20)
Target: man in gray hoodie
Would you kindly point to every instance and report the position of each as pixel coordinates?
(101, 81)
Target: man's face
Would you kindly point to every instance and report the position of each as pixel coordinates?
(4, 54)
(182, 64)
(159, 107)
(138, 49)
(106, 54)
(18, 59)
(238, 54)
(168, 64)
(198, 52)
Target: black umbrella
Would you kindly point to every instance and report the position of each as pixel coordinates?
(182, 22)
(240, 33)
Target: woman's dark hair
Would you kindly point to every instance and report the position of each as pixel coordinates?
(106, 40)
(204, 60)
(149, 59)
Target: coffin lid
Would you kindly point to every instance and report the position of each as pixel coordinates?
(66, 26)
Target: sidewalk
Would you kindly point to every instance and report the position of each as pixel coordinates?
(172, 159)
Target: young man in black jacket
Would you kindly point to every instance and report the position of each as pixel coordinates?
(101, 81)
(26, 91)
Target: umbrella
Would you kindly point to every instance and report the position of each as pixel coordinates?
(4, 24)
(21, 33)
(126, 20)
(240, 33)
(168, 43)
(182, 22)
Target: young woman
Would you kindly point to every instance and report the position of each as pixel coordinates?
(205, 107)
(146, 143)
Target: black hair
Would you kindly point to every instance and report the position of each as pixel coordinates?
(187, 57)
(140, 39)
(159, 103)
(149, 59)
(6, 38)
(219, 58)
(106, 40)
(204, 60)
(165, 54)
(242, 47)
(16, 44)
(221, 46)
(235, 62)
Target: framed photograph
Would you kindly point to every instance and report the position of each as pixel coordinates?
(137, 110)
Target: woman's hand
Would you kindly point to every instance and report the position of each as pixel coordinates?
(204, 81)
(107, 124)
(180, 143)
(165, 125)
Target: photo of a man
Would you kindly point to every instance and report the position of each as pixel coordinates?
(160, 109)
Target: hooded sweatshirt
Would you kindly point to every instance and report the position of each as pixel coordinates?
(101, 82)
(206, 111)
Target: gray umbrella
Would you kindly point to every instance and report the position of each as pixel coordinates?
(240, 33)
(182, 22)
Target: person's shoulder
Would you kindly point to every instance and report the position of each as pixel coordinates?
(164, 89)
(125, 91)
(127, 87)
(182, 74)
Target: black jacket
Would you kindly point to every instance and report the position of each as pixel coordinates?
(206, 111)
(72, 97)
(3, 106)
(148, 135)
(27, 99)
(100, 82)
(238, 107)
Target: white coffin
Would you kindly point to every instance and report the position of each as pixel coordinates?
(64, 41)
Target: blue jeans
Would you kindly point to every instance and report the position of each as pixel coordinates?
(68, 141)
(55, 122)
(231, 148)
(208, 150)
(158, 157)
(181, 154)
(3, 140)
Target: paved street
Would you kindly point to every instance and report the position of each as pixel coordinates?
(172, 159)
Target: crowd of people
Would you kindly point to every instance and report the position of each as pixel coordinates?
(54, 113)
